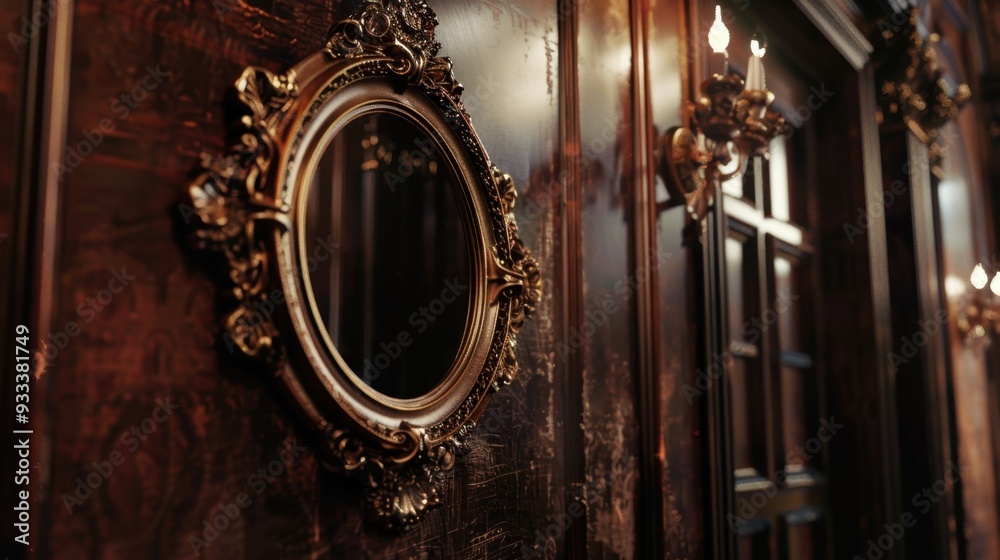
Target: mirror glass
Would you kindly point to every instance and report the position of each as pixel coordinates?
(388, 255)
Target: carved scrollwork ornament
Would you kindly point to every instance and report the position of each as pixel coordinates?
(246, 205)
(913, 88)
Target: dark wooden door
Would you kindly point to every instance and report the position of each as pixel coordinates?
(775, 382)
(793, 305)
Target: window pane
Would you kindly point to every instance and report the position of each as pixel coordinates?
(741, 401)
(788, 304)
(735, 285)
(778, 180)
(793, 413)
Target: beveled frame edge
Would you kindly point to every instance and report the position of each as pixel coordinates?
(241, 204)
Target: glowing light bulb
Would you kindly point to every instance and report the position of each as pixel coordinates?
(954, 287)
(756, 48)
(718, 34)
(995, 284)
(979, 277)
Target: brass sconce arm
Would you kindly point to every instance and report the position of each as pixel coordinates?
(729, 118)
(726, 118)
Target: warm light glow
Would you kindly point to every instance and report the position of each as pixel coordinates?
(979, 277)
(756, 49)
(995, 284)
(718, 34)
(953, 286)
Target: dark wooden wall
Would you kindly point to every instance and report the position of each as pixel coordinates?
(569, 98)
(553, 90)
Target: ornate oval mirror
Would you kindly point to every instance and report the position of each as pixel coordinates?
(370, 251)
(394, 296)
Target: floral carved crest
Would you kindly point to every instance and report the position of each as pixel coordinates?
(913, 88)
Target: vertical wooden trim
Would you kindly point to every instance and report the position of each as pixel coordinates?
(55, 122)
(41, 132)
(17, 248)
(881, 310)
(570, 272)
(715, 320)
(936, 364)
(54, 126)
(643, 236)
(770, 344)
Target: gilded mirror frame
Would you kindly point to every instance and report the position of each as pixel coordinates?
(248, 206)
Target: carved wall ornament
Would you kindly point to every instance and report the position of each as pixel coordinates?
(249, 205)
(913, 88)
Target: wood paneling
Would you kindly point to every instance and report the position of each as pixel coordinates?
(157, 338)
(607, 330)
(609, 410)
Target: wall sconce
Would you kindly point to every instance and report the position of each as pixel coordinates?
(981, 308)
(730, 118)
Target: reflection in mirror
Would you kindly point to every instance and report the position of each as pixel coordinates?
(392, 270)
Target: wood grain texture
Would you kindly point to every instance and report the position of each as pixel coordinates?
(685, 483)
(607, 332)
(148, 82)
(157, 338)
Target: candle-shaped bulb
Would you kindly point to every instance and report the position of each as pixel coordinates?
(755, 67)
(718, 34)
(995, 284)
(979, 277)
